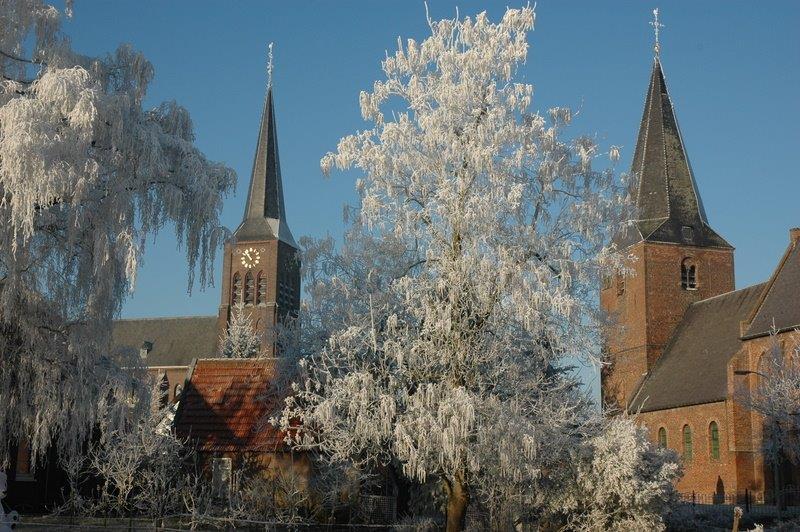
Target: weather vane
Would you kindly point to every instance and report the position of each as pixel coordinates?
(656, 28)
(269, 67)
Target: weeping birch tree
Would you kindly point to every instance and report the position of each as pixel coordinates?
(467, 282)
(86, 175)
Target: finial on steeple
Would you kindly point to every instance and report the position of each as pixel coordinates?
(656, 28)
(269, 67)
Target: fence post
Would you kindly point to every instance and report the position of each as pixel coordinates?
(737, 514)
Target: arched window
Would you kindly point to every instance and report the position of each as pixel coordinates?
(687, 443)
(236, 290)
(662, 437)
(249, 288)
(688, 275)
(261, 296)
(713, 440)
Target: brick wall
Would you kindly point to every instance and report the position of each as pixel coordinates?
(275, 264)
(703, 474)
(646, 306)
(748, 425)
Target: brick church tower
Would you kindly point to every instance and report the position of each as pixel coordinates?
(677, 258)
(261, 265)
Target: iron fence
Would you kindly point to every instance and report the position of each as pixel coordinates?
(761, 502)
(377, 509)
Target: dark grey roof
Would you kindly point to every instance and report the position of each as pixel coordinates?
(693, 368)
(265, 214)
(781, 300)
(667, 198)
(173, 341)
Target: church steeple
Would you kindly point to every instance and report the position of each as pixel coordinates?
(673, 256)
(668, 204)
(265, 214)
(261, 268)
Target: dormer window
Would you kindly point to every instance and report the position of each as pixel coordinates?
(687, 231)
(145, 349)
(688, 275)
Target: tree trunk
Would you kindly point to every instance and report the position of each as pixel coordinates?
(457, 500)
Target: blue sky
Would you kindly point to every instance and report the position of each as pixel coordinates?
(732, 68)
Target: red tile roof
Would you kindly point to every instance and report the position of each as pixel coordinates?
(223, 406)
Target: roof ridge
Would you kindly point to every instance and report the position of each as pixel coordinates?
(766, 294)
(154, 318)
(644, 141)
(695, 188)
(729, 293)
(771, 281)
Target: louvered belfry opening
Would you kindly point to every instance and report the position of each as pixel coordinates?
(236, 289)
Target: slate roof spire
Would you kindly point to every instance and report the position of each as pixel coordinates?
(265, 214)
(668, 203)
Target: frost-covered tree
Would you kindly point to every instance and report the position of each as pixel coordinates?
(776, 396)
(141, 463)
(616, 480)
(86, 176)
(466, 282)
(240, 339)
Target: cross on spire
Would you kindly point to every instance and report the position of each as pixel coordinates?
(656, 29)
(269, 67)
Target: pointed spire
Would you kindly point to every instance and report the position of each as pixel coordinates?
(668, 203)
(265, 215)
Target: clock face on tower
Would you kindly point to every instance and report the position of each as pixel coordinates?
(250, 257)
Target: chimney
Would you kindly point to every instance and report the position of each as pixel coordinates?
(794, 235)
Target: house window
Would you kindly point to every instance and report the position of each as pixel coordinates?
(620, 284)
(221, 474)
(713, 439)
(249, 288)
(687, 443)
(688, 275)
(662, 438)
(24, 469)
(261, 296)
(237, 289)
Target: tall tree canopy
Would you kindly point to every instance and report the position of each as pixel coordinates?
(469, 277)
(86, 175)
